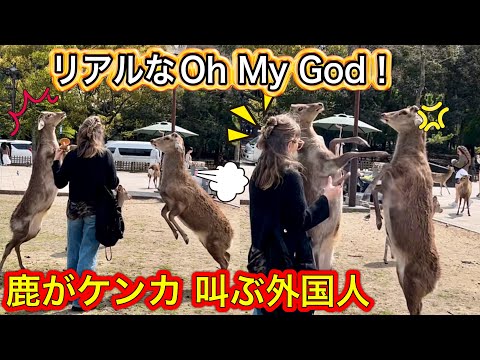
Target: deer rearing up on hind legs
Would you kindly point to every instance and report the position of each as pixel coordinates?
(436, 207)
(320, 163)
(26, 220)
(406, 185)
(185, 199)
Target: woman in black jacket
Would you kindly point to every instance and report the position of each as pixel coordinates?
(279, 215)
(87, 169)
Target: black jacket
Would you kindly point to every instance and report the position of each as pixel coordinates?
(85, 176)
(279, 220)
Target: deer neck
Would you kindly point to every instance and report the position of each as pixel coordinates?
(173, 163)
(411, 145)
(47, 136)
(308, 132)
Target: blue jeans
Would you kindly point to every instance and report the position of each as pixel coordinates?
(82, 246)
(257, 312)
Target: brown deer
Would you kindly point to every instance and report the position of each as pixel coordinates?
(153, 172)
(442, 178)
(406, 186)
(26, 220)
(436, 207)
(122, 195)
(464, 191)
(185, 199)
(320, 163)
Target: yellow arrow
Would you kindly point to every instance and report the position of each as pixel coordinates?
(244, 114)
(235, 135)
(266, 101)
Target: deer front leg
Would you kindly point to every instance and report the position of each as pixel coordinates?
(343, 160)
(350, 140)
(373, 184)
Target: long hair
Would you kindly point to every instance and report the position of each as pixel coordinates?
(275, 135)
(90, 138)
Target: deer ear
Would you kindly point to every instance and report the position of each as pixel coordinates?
(41, 124)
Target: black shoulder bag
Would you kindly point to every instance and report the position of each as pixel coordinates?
(109, 225)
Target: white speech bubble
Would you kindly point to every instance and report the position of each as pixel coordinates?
(228, 181)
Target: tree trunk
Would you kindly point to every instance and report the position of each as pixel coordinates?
(421, 86)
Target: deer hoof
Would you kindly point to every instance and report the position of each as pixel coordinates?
(385, 262)
(379, 224)
(186, 239)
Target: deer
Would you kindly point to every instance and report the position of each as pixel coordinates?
(153, 172)
(464, 190)
(406, 186)
(319, 163)
(27, 218)
(437, 208)
(442, 178)
(122, 195)
(188, 201)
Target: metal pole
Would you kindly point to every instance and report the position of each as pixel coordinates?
(13, 93)
(352, 188)
(174, 108)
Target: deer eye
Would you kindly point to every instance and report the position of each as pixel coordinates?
(403, 112)
(300, 109)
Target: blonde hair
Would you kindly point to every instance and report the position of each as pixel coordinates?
(275, 135)
(90, 138)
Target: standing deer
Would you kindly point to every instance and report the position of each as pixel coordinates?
(320, 163)
(442, 178)
(188, 201)
(436, 207)
(153, 172)
(26, 220)
(406, 185)
(464, 191)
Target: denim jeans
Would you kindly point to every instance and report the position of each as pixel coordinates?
(257, 312)
(82, 246)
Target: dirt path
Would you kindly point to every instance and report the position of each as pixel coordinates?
(149, 246)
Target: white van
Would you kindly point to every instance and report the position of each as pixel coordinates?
(251, 152)
(130, 151)
(21, 151)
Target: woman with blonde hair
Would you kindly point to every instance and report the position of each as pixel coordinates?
(279, 215)
(87, 169)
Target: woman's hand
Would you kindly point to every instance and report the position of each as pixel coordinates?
(59, 154)
(334, 192)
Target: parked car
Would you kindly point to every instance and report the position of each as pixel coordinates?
(204, 183)
(130, 151)
(21, 151)
(251, 152)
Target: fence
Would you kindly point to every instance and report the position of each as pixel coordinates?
(21, 160)
(131, 166)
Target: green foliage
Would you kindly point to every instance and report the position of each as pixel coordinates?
(439, 139)
(451, 76)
